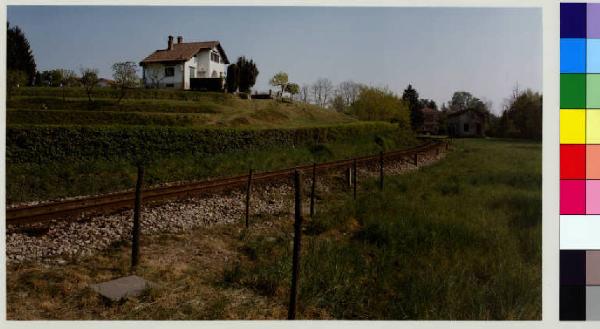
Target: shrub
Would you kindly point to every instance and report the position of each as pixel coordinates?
(40, 144)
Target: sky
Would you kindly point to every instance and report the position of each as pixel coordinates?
(485, 51)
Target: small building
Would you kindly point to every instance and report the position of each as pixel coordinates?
(430, 121)
(186, 65)
(466, 123)
(105, 83)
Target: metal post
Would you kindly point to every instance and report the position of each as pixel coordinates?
(312, 191)
(354, 174)
(137, 208)
(297, 244)
(381, 170)
(248, 192)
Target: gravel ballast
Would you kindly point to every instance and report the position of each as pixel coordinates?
(67, 240)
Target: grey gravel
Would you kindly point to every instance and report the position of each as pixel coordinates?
(71, 240)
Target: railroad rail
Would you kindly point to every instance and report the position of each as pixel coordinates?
(107, 203)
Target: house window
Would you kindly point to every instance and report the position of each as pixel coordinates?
(192, 72)
(170, 85)
(169, 71)
(466, 128)
(214, 57)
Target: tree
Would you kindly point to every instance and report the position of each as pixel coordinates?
(233, 78)
(305, 93)
(430, 103)
(125, 77)
(68, 78)
(279, 80)
(522, 116)
(89, 80)
(19, 56)
(338, 103)
(349, 91)
(377, 104)
(248, 74)
(14, 80)
(292, 88)
(322, 90)
(411, 96)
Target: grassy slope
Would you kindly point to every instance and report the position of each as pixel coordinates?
(458, 240)
(36, 106)
(222, 111)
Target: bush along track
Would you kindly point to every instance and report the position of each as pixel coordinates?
(41, 144)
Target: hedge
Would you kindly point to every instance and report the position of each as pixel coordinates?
(40, 144)
(53, 117)
(127, 105)
(138, 93)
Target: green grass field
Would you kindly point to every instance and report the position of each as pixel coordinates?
(460, 239)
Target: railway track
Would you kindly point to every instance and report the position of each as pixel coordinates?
(103, 204)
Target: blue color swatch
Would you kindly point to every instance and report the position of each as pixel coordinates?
(572, 55)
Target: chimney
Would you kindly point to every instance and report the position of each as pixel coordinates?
(179, 39)
(170, 43)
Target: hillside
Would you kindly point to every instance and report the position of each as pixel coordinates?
(161, 107)
(56, 135)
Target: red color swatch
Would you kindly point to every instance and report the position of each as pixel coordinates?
(572, 161)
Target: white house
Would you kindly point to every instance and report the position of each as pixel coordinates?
(175, 66)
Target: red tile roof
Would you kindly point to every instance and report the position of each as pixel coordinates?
(183, 52)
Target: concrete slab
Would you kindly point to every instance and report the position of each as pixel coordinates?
(115, 290)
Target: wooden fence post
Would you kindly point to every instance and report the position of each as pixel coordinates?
(354, 174)
(312, 191)
(416, 159)
(297, 245)
(248, 192)
(135, 234)
(349, 177)
(381, 170)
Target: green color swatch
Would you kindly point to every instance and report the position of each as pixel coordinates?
(593, 91)
(572, 91)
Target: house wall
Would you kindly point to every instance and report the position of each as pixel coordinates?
(156, 73)
(201, 63)
(456, 125)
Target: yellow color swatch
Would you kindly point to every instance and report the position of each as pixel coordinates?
(593, 126)
(572, 126)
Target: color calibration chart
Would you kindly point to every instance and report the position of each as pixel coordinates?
(580, 161)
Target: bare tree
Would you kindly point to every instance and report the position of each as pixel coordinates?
(322, 90)
(89, 80)
(305, 93)
(125, 76)
(349, 91)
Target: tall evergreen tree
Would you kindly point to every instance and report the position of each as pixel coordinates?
(233, 78)
(248, 74)
(411, 96)
(19, 56)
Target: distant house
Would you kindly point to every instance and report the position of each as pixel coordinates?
(103, 83)
(430, 121)
(466, 123)
(186, 65)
